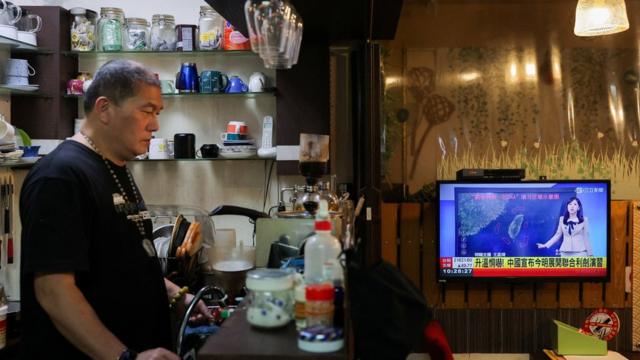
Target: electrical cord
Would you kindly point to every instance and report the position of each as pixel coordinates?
(267, 184)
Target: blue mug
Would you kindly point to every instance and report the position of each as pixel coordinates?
(236, 85)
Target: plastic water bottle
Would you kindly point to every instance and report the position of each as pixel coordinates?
(321, 252)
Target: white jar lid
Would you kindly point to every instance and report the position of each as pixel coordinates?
(269, 280)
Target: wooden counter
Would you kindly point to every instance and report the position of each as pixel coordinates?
(238, 340)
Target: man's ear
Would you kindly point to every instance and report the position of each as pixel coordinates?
(102, 107)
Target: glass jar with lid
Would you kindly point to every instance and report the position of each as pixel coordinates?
(82, 30)
(270, 299)
(211, 28)
(163, 33)
(136, 34)
(110, 28)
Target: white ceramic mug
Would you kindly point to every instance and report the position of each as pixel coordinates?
(158, 149)
(19, 67)
(257, 82)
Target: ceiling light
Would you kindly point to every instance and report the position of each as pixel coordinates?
(600, 17)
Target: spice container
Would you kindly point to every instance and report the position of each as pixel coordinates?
(82, 30)
(185, 37)
(211, 26)
(319, 307)
(136, 34)
(163, 33)
(110, 29)
(270, 299)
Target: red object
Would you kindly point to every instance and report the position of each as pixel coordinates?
(74, 87)
(323, 225)
(237, 129)
(233, 39)
(319, 292)
(437, 344)
(603, 323)
(10, 250)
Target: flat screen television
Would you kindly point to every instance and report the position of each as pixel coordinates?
(539, 230)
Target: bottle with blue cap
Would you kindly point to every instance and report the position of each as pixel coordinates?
(322, 250)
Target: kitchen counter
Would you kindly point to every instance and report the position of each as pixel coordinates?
(237, 340)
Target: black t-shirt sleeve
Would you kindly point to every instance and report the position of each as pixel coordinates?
(54, 236)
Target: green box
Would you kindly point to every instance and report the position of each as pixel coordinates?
(568, 341)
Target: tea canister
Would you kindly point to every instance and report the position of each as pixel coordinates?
(270, 299)
(136, 34)
(186, 37)
(110, 29)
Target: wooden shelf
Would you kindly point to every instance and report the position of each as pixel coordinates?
(16, 90)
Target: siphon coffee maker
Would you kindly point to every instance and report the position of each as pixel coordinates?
(313, 162)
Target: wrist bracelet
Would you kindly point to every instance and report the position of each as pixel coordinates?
(177, 296)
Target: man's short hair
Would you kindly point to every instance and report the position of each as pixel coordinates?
(118, 80)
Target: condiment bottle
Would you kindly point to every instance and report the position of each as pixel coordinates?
(321, 250)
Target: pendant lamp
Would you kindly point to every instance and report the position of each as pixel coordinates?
(600, 17)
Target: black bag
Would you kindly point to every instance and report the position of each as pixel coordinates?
(388, 312)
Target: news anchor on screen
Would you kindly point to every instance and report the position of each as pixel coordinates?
(573, 227)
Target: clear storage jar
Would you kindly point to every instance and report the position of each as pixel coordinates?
(110, 28)
(163, 33)
(82, 31)
(211, 29)
(137, 34)
(270, 298)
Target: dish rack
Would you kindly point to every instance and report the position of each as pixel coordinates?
(163, 218)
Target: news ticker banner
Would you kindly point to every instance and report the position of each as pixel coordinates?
(524, 266)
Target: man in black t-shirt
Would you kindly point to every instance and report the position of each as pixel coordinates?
(91, 282)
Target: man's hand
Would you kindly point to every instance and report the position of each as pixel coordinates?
(200, 314)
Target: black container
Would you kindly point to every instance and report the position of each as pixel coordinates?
(184, 146)
(209, 151)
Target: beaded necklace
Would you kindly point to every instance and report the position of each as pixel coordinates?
(137, 219)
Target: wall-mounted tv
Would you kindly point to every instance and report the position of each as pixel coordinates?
(544, 230)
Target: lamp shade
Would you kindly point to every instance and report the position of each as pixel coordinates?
(600, 17)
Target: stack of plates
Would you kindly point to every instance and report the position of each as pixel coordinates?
(7, 147)
(238, 151)
(239, 142)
